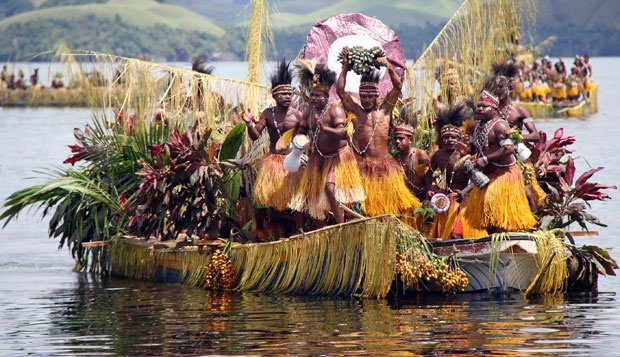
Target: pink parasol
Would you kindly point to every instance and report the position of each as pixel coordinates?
(328, 37)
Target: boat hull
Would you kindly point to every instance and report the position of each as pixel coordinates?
(509, 265)
(347, 260)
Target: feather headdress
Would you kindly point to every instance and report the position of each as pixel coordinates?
(507, 69)
(370, 82)
(315, 76)
(199, 64)
(499, 83)
(282, 77)
(451, 118)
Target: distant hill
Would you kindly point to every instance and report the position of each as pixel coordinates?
(139, 13)
(293, 13)
(580, 26)
(126, 27)
(179, 29)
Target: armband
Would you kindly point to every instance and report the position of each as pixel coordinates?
(390, 103)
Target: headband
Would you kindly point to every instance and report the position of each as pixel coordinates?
(450, 129)
(282, 88)
(488, 98)
(369, 87)
(404, 129)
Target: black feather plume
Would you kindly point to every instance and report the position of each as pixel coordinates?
(283, 74)
(199, 64)
(372, 76)
(454, 115)
(508, 69)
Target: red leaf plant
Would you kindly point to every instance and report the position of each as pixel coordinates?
(566, 202)
(182, 193)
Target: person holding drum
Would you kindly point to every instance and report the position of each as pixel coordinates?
(447, 185)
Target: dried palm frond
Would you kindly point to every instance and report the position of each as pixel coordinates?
(350, 259)
(480, 33)
(145, 89)
(260, 38)
(551, 260)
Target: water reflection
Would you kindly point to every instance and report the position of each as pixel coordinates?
(109, 316)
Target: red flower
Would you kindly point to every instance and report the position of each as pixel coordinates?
(78, 154)
(155, 149)
(121, 201)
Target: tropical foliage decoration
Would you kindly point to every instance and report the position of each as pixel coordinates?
(105, 196)
(187, 190)
(567, 201)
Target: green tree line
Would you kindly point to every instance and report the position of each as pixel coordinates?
(21, 41)
(599, 40)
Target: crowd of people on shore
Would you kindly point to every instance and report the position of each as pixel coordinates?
(10, 81)
(549, 82)
(338, 163)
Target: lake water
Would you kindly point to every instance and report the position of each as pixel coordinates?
(46, 309)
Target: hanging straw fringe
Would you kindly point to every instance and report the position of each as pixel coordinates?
(146, 88)
(351, 259)
(259, 39)
(551, 260)
(480, 33)
(135, 259)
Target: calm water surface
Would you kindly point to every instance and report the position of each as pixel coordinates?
(46, 309)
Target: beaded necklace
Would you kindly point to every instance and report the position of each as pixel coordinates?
(449, 183)
(375, 123)
(505, 114)
(316, 131)
(481, 135)
(275, 123)
(481, 139)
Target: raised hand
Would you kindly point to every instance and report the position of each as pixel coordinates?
(383, 61)
(247, 116)
(344, 58)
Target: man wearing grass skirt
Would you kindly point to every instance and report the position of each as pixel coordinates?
(445, 181)
(501, 84)
(501, 205)
(331, 178)
(382, 176)
(274, 186)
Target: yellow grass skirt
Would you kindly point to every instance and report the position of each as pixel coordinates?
(311, 197)
(538, 194)
(385, 187)
(525, 94)
(542, 91)
(443, 223)
(501, 204)
(573, 91)
(559, 94)
(274, 186)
